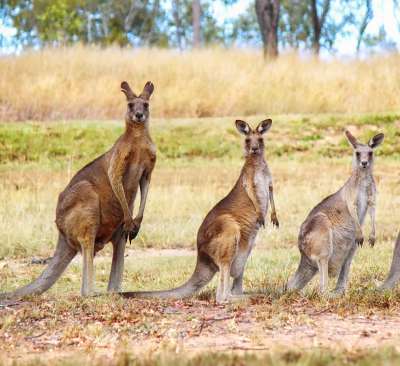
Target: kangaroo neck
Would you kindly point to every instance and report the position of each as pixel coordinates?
(136, 130)
(255, 160)
(358, 176)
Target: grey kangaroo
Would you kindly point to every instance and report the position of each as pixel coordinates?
(227, 235)
(330, 234)
(394, 274)
(96, 206)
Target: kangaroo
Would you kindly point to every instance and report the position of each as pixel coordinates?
(330, 234)
(394, 274)
(227, 234)
(96, 206)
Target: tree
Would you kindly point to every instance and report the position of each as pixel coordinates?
(364, 23)
(196, 15)
(268, 20)
(177, 21)
(318, 22)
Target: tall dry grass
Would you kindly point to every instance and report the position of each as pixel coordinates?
(83, 82)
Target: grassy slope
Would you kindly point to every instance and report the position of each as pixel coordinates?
(317, 135)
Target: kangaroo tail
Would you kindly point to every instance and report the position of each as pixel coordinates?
(394, 273)
(203, 274)
(57, 265)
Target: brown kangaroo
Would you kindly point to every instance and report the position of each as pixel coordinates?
(227, 234)
(394, 274)
(96, 206)
(329, 236)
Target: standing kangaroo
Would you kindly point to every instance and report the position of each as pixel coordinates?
(329, 236)
(394, 274)
(96, 207)
(227, 234)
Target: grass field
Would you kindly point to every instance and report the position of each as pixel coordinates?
(198, 162)
(83, 82)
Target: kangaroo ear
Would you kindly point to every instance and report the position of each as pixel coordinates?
(376, 140)
(147, 90)
(353, 141)
(126, 89)
(242, 127)
(264, 126)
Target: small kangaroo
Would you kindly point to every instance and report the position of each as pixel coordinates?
(96, 206)
(227, 234)
(394, 274)
(329, 236)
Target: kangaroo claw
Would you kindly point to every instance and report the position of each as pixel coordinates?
(261, 222)
(274, 220)
(133, 234)
(360, 241)
(371, 241)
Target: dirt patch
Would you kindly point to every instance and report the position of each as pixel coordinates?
(183, 326)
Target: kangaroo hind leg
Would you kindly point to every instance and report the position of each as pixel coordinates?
(117, 266)
(81, 224)
(304, 274)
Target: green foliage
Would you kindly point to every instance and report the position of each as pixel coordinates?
(169, 23)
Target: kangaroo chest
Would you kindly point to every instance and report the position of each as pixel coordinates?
(141, 161)
(365, 193)
(261, 186)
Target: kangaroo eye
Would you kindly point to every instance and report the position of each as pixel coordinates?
(358, 154)
(146, 105)
(370, 154)
(260, 140)
(130, 106)
(247, 141)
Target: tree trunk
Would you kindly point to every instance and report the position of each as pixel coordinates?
(318, 23)
(196, 14)
(176, 10)
(268, 20)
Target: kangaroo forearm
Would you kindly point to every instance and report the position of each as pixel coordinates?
(271, 198)
(118, 190)
(144, 190)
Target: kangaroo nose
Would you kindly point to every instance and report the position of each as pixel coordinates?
(138, 115)
(254, 149)
(364, 164)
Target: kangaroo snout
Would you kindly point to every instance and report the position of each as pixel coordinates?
(139, 116)
(364, 164)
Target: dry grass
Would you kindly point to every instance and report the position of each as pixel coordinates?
(84, 82)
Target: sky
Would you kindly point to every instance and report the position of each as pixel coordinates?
(345, 46)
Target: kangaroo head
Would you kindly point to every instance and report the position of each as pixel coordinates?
(254, 139)
(137, 106)
(363, 154)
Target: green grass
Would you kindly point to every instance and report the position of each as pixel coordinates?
(60, 143)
